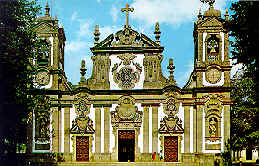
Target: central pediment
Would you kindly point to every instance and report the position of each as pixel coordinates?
(127, 37)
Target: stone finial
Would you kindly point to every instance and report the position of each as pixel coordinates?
(200, 15)
(171, 68)
(47, 10)
(210, 2)
(83, 71)
(96, 34)
(226, 14)
(157, 33)
(56, 20)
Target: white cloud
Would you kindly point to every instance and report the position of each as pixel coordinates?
(85, 29)
(114, 13)
(98, 1)
(173, 12)
(235, 67)
(107, 30)
(85, 26)
(74, 47)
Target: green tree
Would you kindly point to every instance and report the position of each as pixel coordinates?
(244, 113)
(17, 45)
(244, 28)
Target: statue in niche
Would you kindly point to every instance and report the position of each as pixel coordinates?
(213, 127)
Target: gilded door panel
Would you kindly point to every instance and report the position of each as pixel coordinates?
(82, 148)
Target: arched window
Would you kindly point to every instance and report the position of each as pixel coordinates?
(43, 52)
(212, 48)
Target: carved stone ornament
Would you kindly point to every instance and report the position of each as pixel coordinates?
(42, 78)
(213, 75)
(81, 105)
(213, 105)
(170, 106)
(126, 111)
(127, 76)
(127, 58)
(82, 124)
(127, 37)
(170, 124)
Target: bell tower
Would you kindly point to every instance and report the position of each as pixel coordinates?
(49, 58)
(211, 55)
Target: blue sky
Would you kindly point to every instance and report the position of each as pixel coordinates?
(176, 18)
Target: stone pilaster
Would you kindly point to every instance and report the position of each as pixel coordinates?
(199, 128)
(98, 130)
(146, 130)
(226, 121)
(186, 129)
(106, 129)
(194, 129)
(66, 129)
(56, 126)
(154, 128)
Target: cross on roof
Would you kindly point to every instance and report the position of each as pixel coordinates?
(127, 9)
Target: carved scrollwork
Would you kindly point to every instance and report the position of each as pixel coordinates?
(126, 111)
(82, 106)
(171, 104)
(127, 37)
(82, 124)
(127, 76)
(127, 58)
(171, 124)
(213, 105)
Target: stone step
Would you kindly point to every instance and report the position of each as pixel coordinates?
(120, 163)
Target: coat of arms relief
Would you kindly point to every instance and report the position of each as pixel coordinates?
(171, 123)
(126, 73)
(82, 123)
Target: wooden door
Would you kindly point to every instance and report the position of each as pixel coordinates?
(171, 148)
(126, 145)
(82, 148)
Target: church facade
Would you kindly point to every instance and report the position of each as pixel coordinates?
(127, 109)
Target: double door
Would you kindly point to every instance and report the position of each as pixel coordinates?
(126, 145)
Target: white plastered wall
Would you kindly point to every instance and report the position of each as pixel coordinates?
(180, 115)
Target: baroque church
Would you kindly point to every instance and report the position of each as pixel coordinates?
(128, 109)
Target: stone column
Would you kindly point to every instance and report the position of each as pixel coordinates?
(66, 130)
(187, 129)
(146, 130)
(199, 128)
(106, 129)
(98, 130)
(154, 128)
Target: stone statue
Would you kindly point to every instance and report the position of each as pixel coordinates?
(212, 127)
